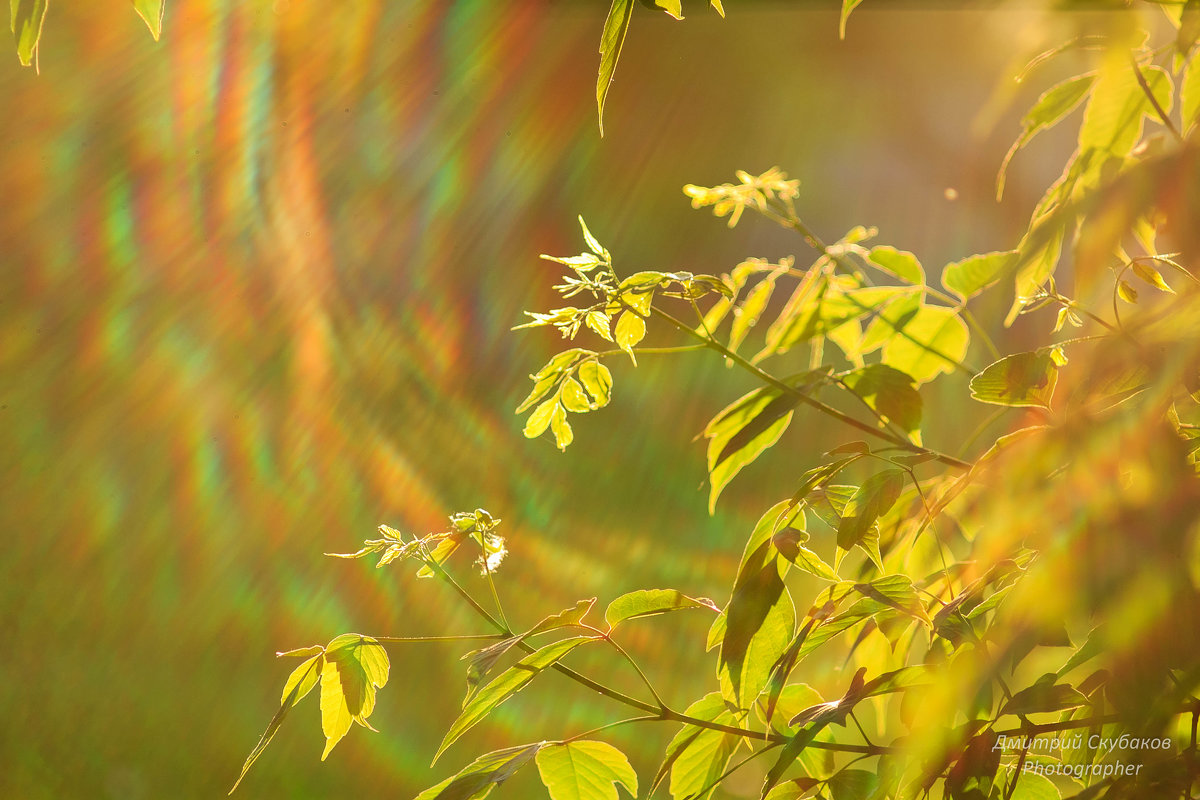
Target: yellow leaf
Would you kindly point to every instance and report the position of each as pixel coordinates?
(151, 11)
(631, 329)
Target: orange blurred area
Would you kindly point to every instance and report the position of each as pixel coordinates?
(257, 290)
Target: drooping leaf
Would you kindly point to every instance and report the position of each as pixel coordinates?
(563, 435)
(757, 591)
(483, 774)
(1126, 292)
(742, 431)
(597, 380)
(27, 18)
(968, 277)
(1024, 379)
(873, 499)
(1151, 276)
(649, 602)
(933, 341)
(539, 420)
(746, 315)
(631, 329)
(299, 683)
(151, 11)
(900, 263)
(354, 666)
(505, 685)
(890, 392)
(563, 619)
(847, 7)
(616, 25)
(696, 757)
(1049, 109)
(572, 397)
(585, 770)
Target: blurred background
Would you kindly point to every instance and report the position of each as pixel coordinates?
(256, 291)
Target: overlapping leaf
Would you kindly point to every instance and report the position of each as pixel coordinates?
(585, 770)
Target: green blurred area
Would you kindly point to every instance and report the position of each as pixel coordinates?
(258, 281)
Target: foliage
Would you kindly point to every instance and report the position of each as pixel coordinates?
(1017, 616)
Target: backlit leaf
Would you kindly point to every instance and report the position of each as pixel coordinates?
(742, 431)
(1044, 696)
(1054, 104)
(672, 7)
(853, 784)
(649, 602)
(151, 11)
(933, 341)
(27, 18)
(1032, 786)
(355, 665)
(872, 500)
(1189, 95)
(506, 685)
(1151, 276)
(597, 380)
(483, 774)
(1126, 292)
(616, 25)
(585, 770)
(572, 397)
(539, 420)
(746, 315)
(1024, 379)
(630, 330)
(1112, 121)
(890, 392)
(968, 277)
(697, 756)
(563, 435)
(847, 7)
(900, 263)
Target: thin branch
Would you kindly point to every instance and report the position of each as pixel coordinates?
(412, 639)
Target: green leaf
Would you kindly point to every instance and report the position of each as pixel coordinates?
(696, 757)
(1054, 104)
(563, 435)
(933, 341)
(630, 330)
(900, 263)
(890, 392)
(483, 774)
(151, 11)
(742, 431)
(27, 18)
(853, 784)
(649, 602)
(572, 397)
(597, 380)
(1032, 786)
(1044, 696)
(354, 666)
(1112, 121)
(759, 617)
(1189, 95)
(972, 275)
(873, 499)
(591, 241)
(585, 770)
(1126, 291)
(847, 7)
(541, 388)
(539, 420)
(505, 685)
(672, 7)
(1024, 379)
(790, 544)
(746, 315)
(299, 683)
(1151, 276)
(613, 37)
